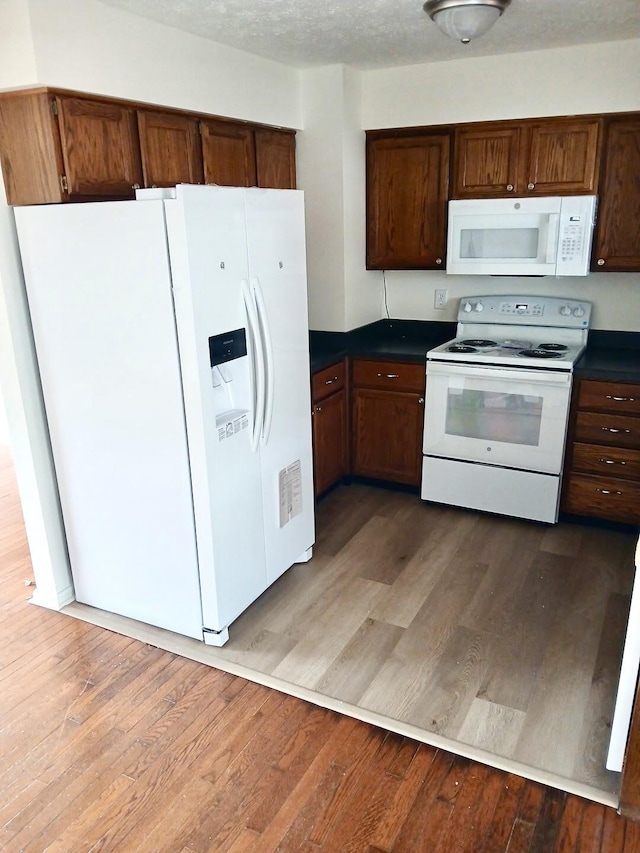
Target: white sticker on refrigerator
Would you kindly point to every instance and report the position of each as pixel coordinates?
(231, 423)
(290, 489)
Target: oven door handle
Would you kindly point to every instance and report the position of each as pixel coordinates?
(504, 374)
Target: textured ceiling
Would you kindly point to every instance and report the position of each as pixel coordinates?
(384, 33)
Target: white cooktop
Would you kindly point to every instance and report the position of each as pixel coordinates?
(541, 332)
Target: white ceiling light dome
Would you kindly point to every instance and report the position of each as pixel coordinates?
(465, 19)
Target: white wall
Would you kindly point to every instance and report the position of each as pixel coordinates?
(87, 45)
(592, 78)
(17, 57)
(331, 157)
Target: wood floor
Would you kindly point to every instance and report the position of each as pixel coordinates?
(499, 634)
(110, 744)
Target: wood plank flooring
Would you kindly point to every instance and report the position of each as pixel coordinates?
(110, 744)
(499, 634)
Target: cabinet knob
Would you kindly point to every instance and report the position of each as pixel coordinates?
(609, 491)
(510, 188)
(611, 461)
(135, 186)
(389, 375)
(600, 262)
(614, 429)
(421, 400)
(331, 381)
(531, 186)
(438, 260)
(620, 399)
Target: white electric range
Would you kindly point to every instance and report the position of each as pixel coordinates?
(497, 405)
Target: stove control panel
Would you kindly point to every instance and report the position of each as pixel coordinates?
(526, 311)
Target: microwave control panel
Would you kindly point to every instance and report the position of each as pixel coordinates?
(575, 231)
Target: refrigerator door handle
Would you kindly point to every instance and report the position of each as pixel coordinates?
(257, 363)
(268, 355)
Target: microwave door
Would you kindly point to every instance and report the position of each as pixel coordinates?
(503, 244)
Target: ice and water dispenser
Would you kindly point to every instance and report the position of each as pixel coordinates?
(231, 383)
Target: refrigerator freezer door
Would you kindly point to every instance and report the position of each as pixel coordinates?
(207, 245)
(99, 292)
(277, 263)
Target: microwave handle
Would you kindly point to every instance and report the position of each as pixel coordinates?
(552, 237)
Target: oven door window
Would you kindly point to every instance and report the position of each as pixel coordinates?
(494, 416)
(516, 418)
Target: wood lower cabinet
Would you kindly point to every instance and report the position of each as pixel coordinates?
(58, 146)
(603, 467)
(407, 193)
(329, 422)
(387, 414)
(541, 157)
(617, 237)
(170, 149)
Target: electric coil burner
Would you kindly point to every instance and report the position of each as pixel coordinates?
(497, 405)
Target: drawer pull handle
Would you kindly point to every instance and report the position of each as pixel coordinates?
(612, 462)
(331, 381)
(613, 429)
(389, 375)
(608, 491)
(621, 399)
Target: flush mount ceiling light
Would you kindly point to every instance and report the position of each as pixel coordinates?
(465, 19)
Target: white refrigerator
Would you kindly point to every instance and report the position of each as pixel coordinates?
(172, 341)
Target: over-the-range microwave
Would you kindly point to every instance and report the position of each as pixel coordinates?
(521, 236)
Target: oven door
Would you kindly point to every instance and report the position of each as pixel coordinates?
(511, 417)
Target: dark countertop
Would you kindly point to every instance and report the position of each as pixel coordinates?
(397, 340)
(609, 355)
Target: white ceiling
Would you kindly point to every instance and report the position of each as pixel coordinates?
(383, 33)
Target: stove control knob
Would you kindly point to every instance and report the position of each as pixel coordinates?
(578, 312)
(468, 307)
(479, 306)
(565, 310)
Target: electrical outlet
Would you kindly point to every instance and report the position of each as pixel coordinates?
(440, 298)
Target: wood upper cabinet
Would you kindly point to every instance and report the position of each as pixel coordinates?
(387, 414)
(407, 193)
(617, 237)
(529, 157)
(228, 153)
(486, 161)
(275, 158)
(100, 148)
(170, 149)
(55, 147)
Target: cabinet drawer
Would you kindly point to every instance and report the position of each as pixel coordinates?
(612, 397)
(327, 381)
(389, 375)
(606, 461)
(603, 497)
(595, 428)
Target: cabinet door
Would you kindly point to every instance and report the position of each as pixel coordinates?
(487, 161)
(29, 149)
(100, 148)
(170, 149)
(330, 441)
(228, 153)
(562, 157)
(276, 158)
(617, 244)
(407, 191)
(387, 435)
